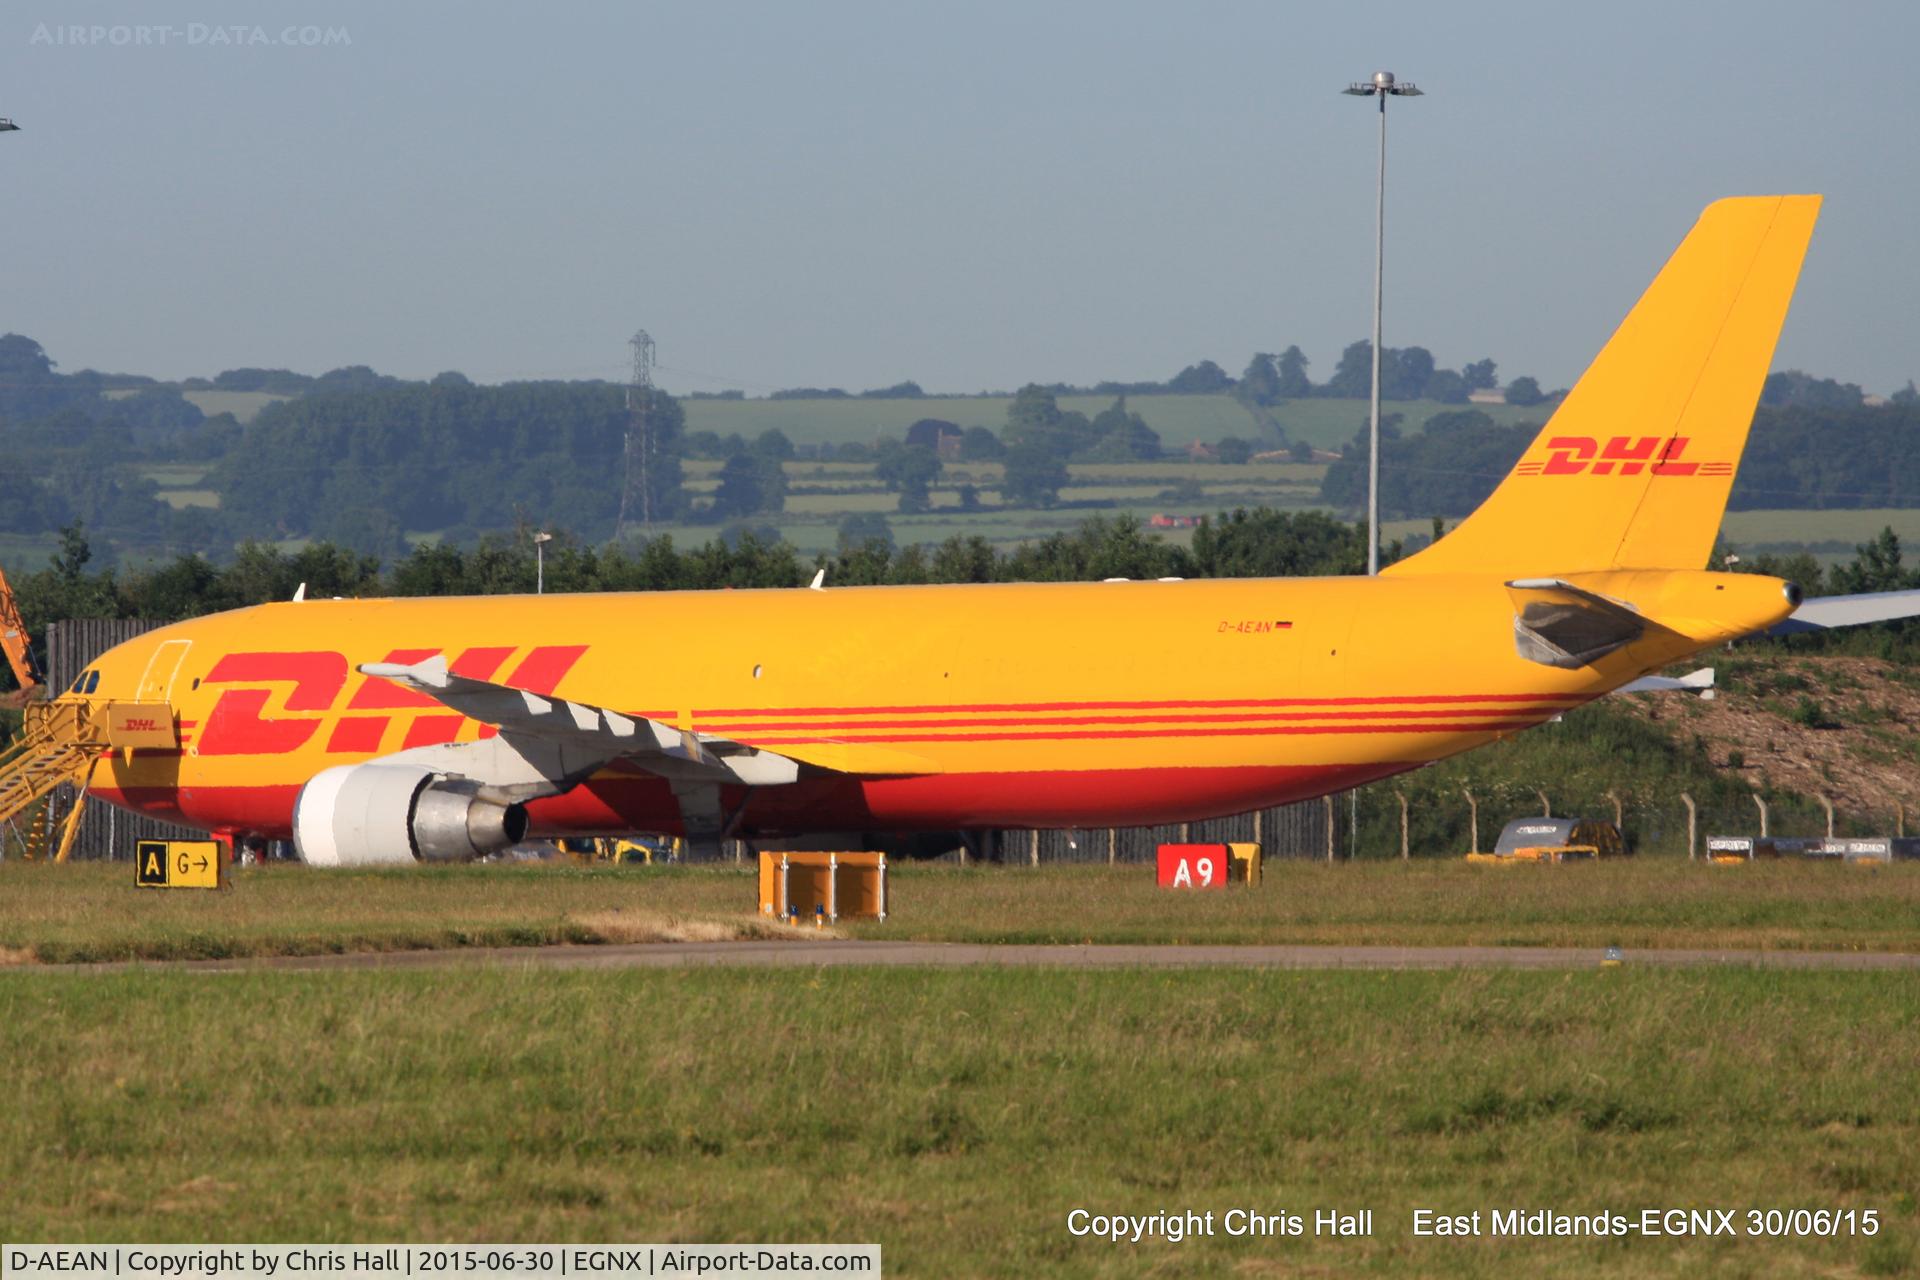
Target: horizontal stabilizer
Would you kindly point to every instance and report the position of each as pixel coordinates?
(1825, 612)
(1700, 682)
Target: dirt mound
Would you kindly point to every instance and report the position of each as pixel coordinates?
(1845, 728)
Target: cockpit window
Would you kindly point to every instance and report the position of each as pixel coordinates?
(79, 683)
(93, 681)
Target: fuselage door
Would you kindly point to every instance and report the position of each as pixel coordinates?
(156, 685)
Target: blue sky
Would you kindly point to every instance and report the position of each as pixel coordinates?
(971, 196)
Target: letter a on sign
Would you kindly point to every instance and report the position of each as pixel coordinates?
(177, 864)
(150, 864)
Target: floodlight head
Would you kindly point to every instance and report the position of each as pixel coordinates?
(8, 126)
(1383, 85)
(542, 537)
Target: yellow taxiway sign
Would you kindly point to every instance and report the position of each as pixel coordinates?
(177, 864)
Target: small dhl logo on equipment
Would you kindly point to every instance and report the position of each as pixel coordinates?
(1619, 455)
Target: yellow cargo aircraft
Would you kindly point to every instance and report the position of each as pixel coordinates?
(390, 730)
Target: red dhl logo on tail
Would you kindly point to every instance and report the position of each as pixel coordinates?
(237, 725)
(1619, 455)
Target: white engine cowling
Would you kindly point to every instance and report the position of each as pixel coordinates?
(366, 815)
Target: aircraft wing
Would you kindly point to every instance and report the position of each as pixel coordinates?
(1825, 612)
(589, 733)
(545, 746)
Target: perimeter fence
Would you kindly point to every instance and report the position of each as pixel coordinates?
(1388, 820)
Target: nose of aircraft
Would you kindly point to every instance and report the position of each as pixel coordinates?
(142, 669)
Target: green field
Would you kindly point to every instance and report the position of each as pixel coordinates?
(179, 499)
(24, 553)
(243, 405)
(958, 1118)
(1181, 420)
(820, 495)
(1331, 424)
(811, 522)
(1831, 535)
(91, 911)
(182, 484)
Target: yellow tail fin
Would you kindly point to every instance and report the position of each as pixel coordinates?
(1633, 469)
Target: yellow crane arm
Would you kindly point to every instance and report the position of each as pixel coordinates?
(15, 641)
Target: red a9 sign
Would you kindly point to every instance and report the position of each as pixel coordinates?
(1192, 866)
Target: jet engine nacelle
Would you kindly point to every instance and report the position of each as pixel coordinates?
(364, 815)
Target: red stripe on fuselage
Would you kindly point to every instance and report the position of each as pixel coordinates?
(616, 802)
(1047, 735)
(1026, 722)
(1436, 699)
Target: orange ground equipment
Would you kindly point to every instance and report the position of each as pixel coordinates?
(17, 645)
(822, 887)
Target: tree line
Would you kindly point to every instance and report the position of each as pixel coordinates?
(1797, 457)
(360, 458)
(1239, 543)
(1242, 543)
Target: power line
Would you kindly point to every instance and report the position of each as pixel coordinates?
(639, 448)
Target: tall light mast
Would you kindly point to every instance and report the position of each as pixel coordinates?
(1382, 86)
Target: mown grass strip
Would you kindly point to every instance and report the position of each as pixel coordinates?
(958, 1116)
(92, 912)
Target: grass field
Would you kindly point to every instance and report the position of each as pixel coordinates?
(1179, 419)
(1831, 535)
(93, 912)
(812, 521)
(1331, 424)
(24, 553)
(957, 1118)
(243, 405)
(182, 498)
